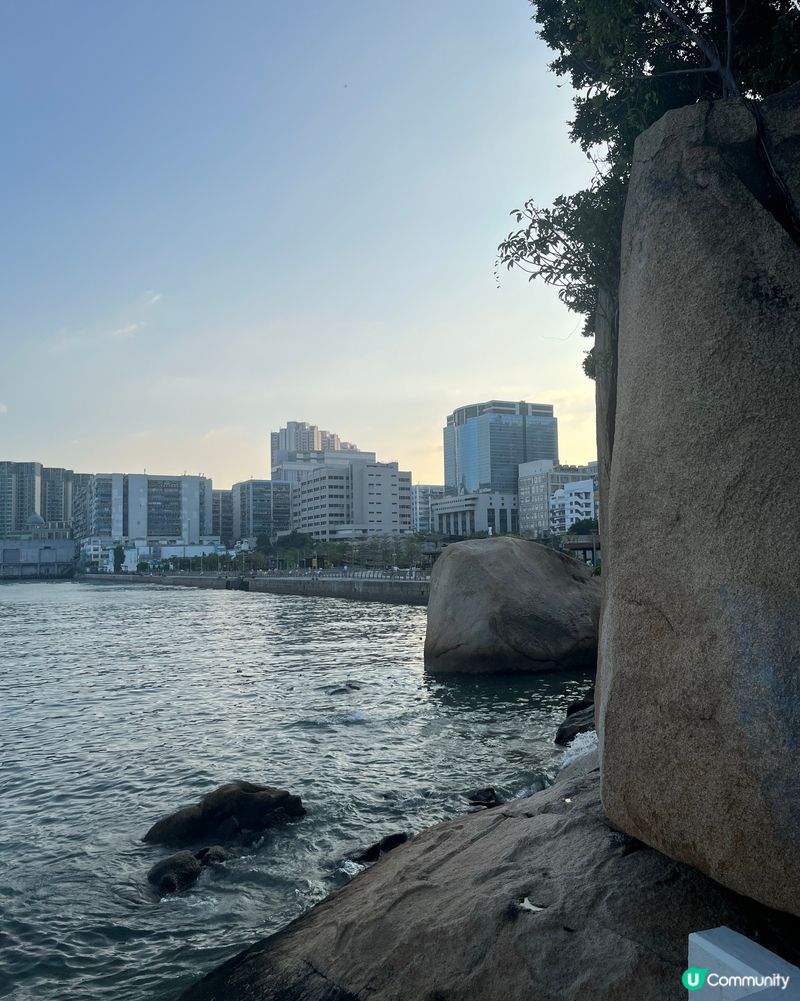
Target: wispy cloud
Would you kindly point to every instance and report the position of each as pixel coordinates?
(3, 408)
(128, 330)
(125, 323)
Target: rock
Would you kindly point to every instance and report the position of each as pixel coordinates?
(175, 873)
(699, 682)
(581, 721)
(505, 604)
(580, 704)
(484, 797)
(386, 844)
(445, 917)
(226, 813)
(213, 855)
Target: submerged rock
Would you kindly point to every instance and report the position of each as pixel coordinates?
(581, 721)
(575, 707)
(386, 844)
(226, 813)
(486, 796)
(175, 873)
(539, 898)
(213, 855)
(505, 604)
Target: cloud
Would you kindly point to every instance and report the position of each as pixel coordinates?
(121, 324)
(3, 408)
(127, 330)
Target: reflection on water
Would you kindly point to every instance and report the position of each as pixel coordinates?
(124, 702)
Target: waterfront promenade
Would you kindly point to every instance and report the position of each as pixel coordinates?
(393, 589)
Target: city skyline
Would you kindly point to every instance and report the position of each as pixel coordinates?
(199, 252)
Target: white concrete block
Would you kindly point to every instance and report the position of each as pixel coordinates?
(732, 967)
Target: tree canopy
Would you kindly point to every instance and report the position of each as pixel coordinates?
(629, 62)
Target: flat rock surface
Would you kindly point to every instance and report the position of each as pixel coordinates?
(438, 919)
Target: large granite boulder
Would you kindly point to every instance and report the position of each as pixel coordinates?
(505, 604)
(227, 813)
(538, 898)
(699, 675)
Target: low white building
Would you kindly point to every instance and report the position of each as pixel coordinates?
(462, 515)
(140, 551)
(538, 482)
(573, 502)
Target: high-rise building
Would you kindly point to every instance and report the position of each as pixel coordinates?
(222, 516)
(422, 496)
(261, 508)
(484, 444)
(20, 495)
(353, 500)
(297, 465)
(145, 507)
(538, 481)
(81, 484)
(301, 438)
(57, 494)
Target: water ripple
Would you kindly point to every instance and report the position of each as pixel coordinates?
(122, 703)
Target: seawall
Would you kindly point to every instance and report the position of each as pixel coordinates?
(389, 591)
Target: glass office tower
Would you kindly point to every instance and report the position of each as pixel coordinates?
(484, 444)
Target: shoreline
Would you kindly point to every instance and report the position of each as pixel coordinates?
(384, 591)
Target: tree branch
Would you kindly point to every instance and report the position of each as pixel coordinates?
(706, 46)
(729, 46)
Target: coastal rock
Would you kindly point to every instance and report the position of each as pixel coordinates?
(579, 704)
(175, 873)
(699, 680)
(386, 844)
(505, 604)
(213, 855)
(445, 916)
(486, 796)
(226, 813)
(581, 721)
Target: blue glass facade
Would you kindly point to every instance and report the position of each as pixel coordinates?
(484, 444)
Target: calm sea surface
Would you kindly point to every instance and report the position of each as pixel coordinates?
(122, 703)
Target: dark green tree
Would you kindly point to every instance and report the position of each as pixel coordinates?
(119, 558)
(629, 62)
(583, 526)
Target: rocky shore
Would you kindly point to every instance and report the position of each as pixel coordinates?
(590, 889)
(538, 898)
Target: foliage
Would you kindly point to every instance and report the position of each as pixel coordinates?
(119, 558)
(584, 526)
(597, 569)
(629, 62)
(142, 566)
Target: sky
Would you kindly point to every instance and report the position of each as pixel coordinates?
(220, 216)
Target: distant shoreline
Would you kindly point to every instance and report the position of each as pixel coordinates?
(385, 591)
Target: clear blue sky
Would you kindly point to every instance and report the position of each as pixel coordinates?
(220, 216)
